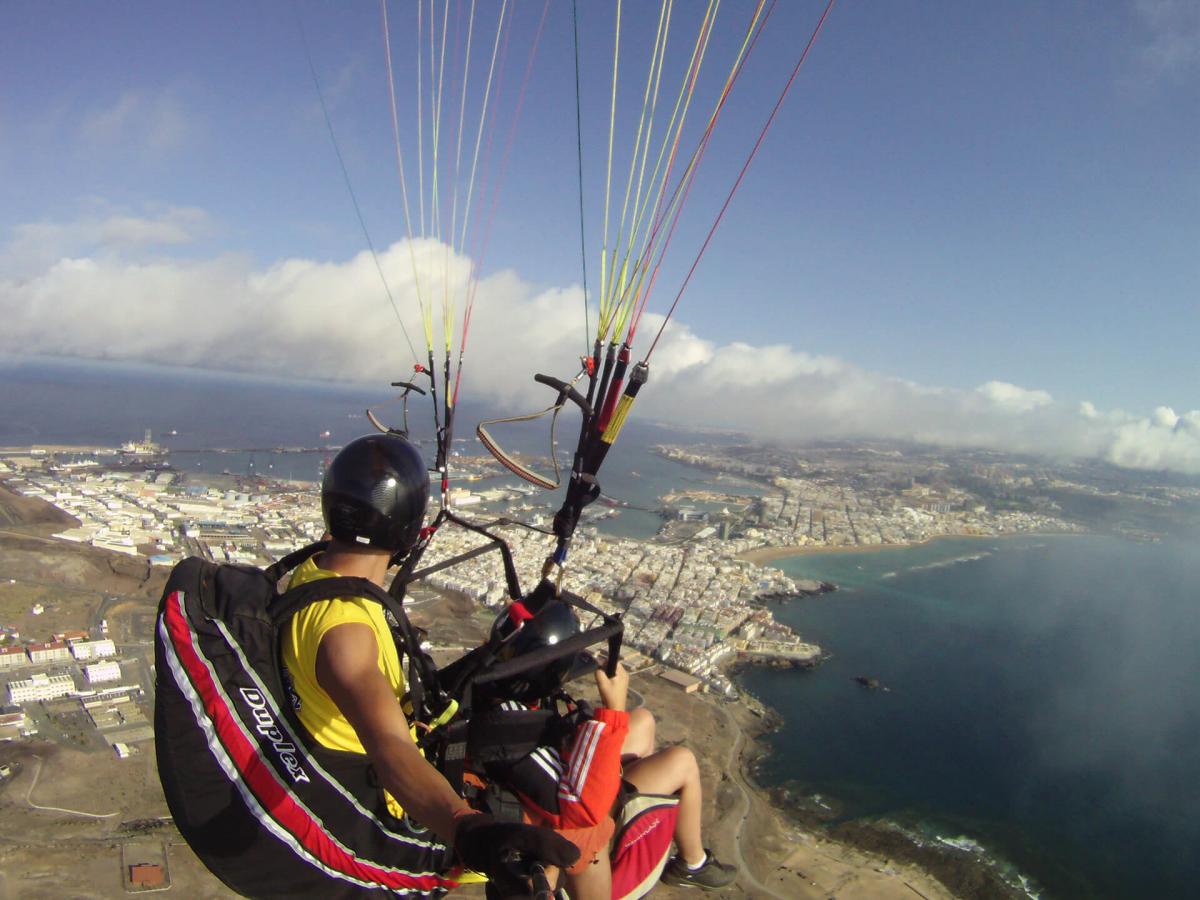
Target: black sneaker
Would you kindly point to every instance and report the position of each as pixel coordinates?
(711, 876)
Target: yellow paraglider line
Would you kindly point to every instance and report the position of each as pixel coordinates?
(741, 175)
(657, 239)
(687, 92)
(605, 314)
(640, 147)
(671, 138)
(400, 159)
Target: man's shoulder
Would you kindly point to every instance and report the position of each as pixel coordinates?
(333, 610)
(321, 615)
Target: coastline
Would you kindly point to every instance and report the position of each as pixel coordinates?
(868, 857)
(932, 860)
(778, 858)
(806, 858)
(763, 556)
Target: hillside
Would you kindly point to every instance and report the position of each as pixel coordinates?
(17, 511)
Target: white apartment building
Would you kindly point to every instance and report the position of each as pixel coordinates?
(12, 657)
(55, 651)
(100, 672)
(93, 649)
(40, 687)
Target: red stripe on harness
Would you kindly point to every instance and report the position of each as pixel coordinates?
(263, 781)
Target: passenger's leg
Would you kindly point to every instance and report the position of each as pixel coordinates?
(639, 742)
(594, 882)
(670, 771)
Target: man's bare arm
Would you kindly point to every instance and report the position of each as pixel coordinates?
(348, 671)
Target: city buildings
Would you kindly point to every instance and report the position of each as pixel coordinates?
(688, 598)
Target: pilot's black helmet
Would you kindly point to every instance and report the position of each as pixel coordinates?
(375, 492)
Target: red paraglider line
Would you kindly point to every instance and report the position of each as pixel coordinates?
(487, 231)
(742, 174)
(690, 179)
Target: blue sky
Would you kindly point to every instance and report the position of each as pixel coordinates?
(954, 194)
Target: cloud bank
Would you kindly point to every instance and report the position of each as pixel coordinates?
(333, 320)
(35, 247)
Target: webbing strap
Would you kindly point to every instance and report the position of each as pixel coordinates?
(506, 460)
(276, 571)
(422, 675)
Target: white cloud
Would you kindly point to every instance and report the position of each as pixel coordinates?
(138, 121)
(1015, 399)
(1172, 35)
(332, 319)
(1164, 440)
(34, 247)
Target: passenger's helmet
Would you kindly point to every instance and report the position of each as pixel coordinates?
(554, 623)
(375, 492)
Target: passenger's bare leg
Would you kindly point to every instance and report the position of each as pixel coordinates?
(594, 882)
(639, 742)
(674, 770)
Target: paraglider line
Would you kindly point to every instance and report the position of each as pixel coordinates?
(742, 174)
(587, 327)
(483, 242)
(346, 178)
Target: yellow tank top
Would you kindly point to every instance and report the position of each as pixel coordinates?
(318, 713)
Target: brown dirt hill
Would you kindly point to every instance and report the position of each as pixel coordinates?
(78, 567)
(17, 511)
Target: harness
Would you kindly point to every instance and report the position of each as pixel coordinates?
(239, 771)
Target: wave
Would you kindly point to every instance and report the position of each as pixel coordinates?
(1007, 872)
(946, 563)
(962, 843)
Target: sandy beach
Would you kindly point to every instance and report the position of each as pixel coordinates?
(763, 556)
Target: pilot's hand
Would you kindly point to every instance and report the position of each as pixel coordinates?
(505, 851)
(613, 690)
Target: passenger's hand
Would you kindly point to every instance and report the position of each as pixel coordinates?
(498, 849)
(613, 690)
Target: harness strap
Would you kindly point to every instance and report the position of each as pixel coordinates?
(422, 673)
(277, 570)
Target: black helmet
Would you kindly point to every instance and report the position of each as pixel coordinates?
(374, 493)
(554, 623)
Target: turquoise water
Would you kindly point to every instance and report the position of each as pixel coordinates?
(1043, 702)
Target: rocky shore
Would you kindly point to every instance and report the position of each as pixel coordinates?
(949, 867)
(805, 587)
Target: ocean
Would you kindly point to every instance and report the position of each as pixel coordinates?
(1042, 710)
(1042, 707)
